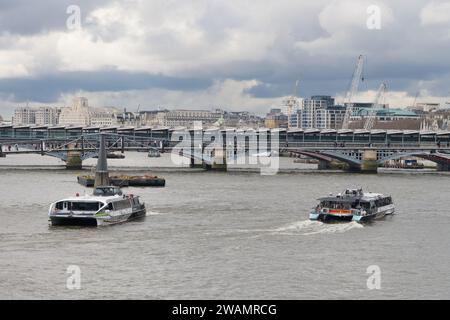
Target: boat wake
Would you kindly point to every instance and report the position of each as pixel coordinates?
(308, 227)
(302, 228)
(154, 213)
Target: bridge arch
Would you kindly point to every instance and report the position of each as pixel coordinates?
(312, 154)
(436, 157)
(352, 161)
(329, 156)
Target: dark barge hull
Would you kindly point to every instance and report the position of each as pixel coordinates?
(154, 182)
(157, 182)
(89, 182)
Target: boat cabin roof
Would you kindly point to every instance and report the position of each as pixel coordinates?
(339, 199)
(352, 195)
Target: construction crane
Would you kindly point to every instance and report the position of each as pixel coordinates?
(292, 102)
(379, 101)
(357, 77)
(415, 98)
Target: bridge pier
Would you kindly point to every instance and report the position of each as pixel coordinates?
(73, 161)
(369, 162)
(195, 163)
(441, 166)
(324, 165)
(2, 155)
(219, 162)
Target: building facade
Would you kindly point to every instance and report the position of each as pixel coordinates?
(77, 114)
(47, 116)
(276, 119)
(36, 116)
(187, 118)
(314, 112)
(102, 117)
(24, 115)
(127, 118)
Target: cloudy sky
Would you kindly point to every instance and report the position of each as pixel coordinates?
(234, 54)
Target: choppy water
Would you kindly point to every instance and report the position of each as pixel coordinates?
(225, 235)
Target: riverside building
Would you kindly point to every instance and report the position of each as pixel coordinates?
(36, 115)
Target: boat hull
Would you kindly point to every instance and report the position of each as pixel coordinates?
(326, 217)
(73, 221)
(95, 221)
(329, 217)
(378, 215)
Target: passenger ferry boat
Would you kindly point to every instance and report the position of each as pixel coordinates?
(107, 205)
(353, 205)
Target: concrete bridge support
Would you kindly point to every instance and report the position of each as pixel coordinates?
(73, 161)
(442, 166)
(196, 163)
(324, 165)
(219, 162)
(369, 162)
(2, 155)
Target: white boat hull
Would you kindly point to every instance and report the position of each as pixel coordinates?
(94, 220)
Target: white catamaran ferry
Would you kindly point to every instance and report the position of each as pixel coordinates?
(107, 205)
(353, 205)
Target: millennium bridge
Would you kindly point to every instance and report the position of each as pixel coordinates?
(361, 150)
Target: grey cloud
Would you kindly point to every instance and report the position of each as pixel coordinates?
(403, 53)
(25, 17)
(48, 88)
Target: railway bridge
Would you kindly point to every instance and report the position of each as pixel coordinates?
(213, 148)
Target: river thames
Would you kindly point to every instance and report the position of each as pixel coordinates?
(217, 235)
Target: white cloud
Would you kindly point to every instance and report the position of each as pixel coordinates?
(435, 13)
(345, 22)
(237, 44)
(222, 94)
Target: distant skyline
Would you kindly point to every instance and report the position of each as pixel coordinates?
(236, 55)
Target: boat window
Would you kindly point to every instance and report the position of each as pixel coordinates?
(110, 206)
(338, 205)
(383, 202)
(365, 205)
(123, 204)
(59, 205)
(85, 206)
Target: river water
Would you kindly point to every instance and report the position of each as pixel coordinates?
(215, 235)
